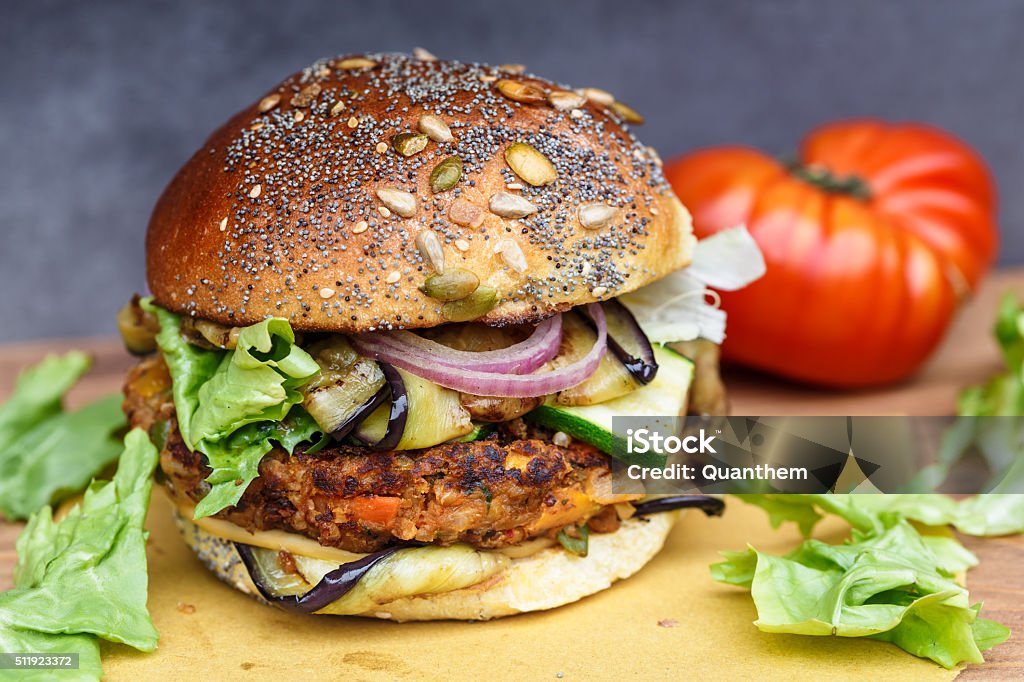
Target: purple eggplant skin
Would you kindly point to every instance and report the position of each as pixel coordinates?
(711, 506)
(330, 589)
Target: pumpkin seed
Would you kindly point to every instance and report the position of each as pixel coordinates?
(598, 96)
(401, 202)
(445, 174)
(434, 128)
(530, 164)
(510, 205)
(596, 216)
(627, 113)
(354, 63)
(563, 100)
(408, 144)
(454, 284)
(518, 91)
(429, 247)
(466, 214)
(476, 305)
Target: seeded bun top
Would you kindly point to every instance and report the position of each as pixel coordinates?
(333, 199)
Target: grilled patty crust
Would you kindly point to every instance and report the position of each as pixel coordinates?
(489, 494)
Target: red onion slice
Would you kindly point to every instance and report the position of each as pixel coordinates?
(491, 383)
(521, 358)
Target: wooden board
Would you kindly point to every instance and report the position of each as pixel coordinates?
(968, 355)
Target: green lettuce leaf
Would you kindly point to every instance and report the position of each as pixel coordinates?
(232, 406)
(46, 453)
(982, 515)
(190, 367)
(257, 382)
(85, 576)
(1004, 393)
(236, 459)
(889, 583)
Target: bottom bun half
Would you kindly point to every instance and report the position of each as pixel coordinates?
(546, 579)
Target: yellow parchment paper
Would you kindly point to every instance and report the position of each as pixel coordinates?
(208, 631)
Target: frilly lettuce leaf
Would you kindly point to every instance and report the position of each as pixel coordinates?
(888, 583)
(85, 576)
(233, 405)
(989, 514)
(46, 453)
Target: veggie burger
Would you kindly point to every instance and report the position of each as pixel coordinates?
(395, 304)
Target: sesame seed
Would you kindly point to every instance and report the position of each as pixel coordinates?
(598, 292)
(462, 245)
(353, 122)
(381, 147)
(360, 227)
(393, 277)
(224, 224)
(514, 185)
(255, 191)
(327, 292)
(384, 211)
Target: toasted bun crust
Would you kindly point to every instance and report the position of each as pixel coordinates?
(545, 580)
(277, 214)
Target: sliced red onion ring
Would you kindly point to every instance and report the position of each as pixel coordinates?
(494, 384)
(521, 358)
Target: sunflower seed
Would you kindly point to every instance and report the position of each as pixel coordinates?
(360, 227)
(462, 245)
(627, 113)
(454, 284)
(512, 68)
(487, 78)
(512, 254)
(434, 128)
(305, 96)
(476, 305)
(408, 144)
(401, 202)
(520, 92)
(423, 55)
(466, 214)
(530, 164)
(354, 63)
(445, 174)
(598, 96)
(510, 205)
(268, 103)
(563, 100)
(596, 216)
(384, 211)
(429, 247)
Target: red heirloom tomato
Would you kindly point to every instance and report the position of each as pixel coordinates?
(871, 238)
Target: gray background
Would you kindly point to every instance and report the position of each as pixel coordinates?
(103, 101)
